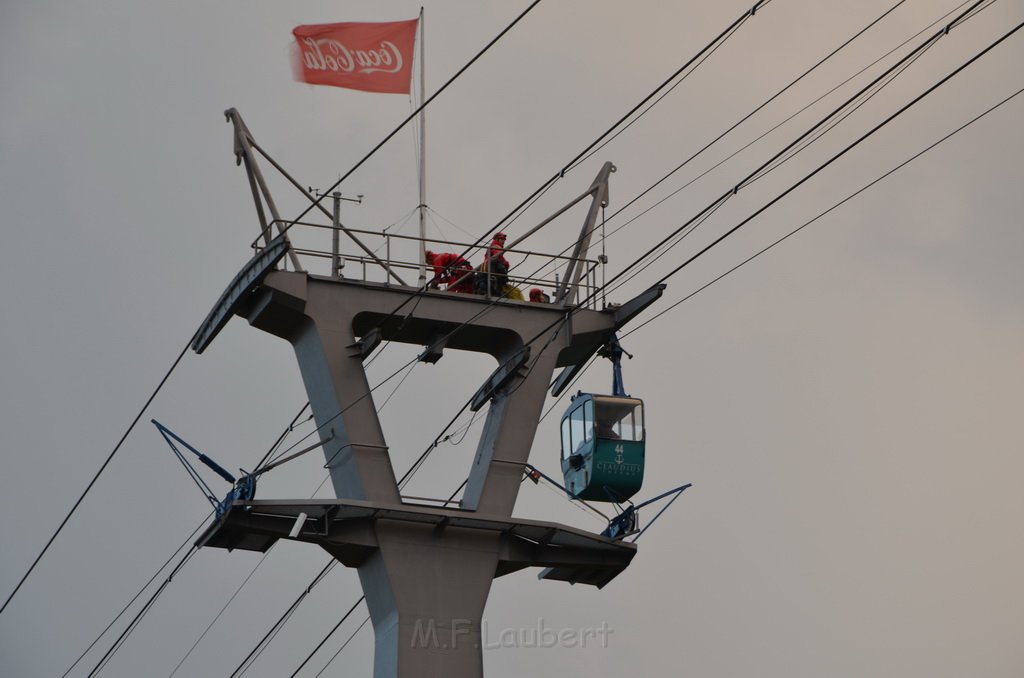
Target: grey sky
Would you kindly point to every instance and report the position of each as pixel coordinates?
(847, 406)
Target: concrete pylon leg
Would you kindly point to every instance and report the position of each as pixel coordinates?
(343, 408)
(504, 447)
(426, 595)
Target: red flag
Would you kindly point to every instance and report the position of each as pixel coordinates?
(372, 57)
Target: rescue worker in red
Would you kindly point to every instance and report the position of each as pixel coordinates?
(496, 252)
(538, 296)
(452, 270)
(494, 270)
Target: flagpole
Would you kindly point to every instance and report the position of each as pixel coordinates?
(423, 160)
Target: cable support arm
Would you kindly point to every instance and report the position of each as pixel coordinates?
(327, 213)
(677, 492)
(243, 151)
(217, 468)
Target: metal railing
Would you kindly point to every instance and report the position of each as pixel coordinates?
(391, 255)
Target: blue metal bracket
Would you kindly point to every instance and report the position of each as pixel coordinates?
(243, 488)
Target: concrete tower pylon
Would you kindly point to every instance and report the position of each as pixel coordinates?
(425, 570)
(425, 588)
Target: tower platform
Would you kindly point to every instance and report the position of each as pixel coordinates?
(347, 530)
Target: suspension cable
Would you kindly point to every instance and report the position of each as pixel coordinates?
(747, 179)
(843, 152)
(569, 166)
(142, 613)
(749, 115)
(862, 138)
(417, 296)
(704, 214)
(114, 648)
(413, 115)
(265, 640)
(137, 595)
(329, 634)
(826, 212)
(732, 191)
(96, 477)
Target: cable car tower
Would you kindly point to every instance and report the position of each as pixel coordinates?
(426, 570)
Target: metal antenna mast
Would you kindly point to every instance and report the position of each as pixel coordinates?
(426, 571)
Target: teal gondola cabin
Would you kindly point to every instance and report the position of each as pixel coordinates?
(603, 447)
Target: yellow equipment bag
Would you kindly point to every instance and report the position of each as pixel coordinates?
(510, 292)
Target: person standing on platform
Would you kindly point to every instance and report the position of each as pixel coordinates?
(493, 274)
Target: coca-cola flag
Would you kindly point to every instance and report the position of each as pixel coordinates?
(374, 57)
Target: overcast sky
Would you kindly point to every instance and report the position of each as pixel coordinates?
(847, 406)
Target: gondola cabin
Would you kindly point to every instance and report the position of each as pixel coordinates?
(603, 447)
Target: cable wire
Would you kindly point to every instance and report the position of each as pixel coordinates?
(739, 185)
(220, 613)
(142, 613)
(749, 115)
(96, 477)
(329, 634)
(843, 152)
(269, 636)
(418, 294)
(704, 57)
(805, 135)
(344, 645)
(854, 144)
(136, 596)
(113, 650)
(759, 108)
(702, 216)
(413, 115)
(826, 212)
(569, 166)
